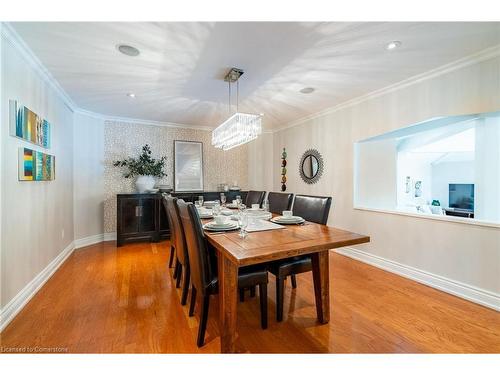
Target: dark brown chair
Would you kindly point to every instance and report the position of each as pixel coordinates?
(255, 197)
(182, 264)
(311, 208)
(279, 202)
(172, 233)
(204, 272)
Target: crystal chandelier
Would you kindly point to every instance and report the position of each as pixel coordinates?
(239, 128)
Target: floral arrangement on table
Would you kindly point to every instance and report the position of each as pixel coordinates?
(145, 167)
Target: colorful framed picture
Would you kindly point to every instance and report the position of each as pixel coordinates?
(27, 125)
(36, 165)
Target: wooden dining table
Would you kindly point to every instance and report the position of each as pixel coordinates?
(234, 252)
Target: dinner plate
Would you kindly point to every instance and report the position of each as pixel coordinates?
(212, 226)
(291, 220)
(206, 216)
(231, 205)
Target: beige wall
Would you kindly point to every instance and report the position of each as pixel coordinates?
(464, 253)
(37, 217)
(122, 139)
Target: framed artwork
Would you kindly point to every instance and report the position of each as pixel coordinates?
(27, 125)
(188, 166)
(36, 165)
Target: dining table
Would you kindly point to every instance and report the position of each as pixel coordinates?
(266, 246)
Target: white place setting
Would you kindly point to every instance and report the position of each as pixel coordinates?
(288, 219)
(221, 224)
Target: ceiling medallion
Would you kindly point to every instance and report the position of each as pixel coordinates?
(239, 128)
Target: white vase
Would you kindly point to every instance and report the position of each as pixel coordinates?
(145, 183)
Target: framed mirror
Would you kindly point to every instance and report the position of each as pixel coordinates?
(311, 166)
(188, 166)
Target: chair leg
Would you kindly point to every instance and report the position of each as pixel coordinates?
(280, 285)
(203, 320)
(179, 276)
(252, 291)
(294, 281)
(242, 295)
(263, 305)
(193, 301)
(171, 260)
(185, 286)
(176, 268)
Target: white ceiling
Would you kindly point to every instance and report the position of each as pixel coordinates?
(178, 75)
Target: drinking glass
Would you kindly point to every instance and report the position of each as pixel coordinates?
(216, 208)
(200, 199)
(265, 205)
(238, 200)
(243, 222)
(223, 199)
(197, 204)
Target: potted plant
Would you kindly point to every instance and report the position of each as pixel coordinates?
(145, 167)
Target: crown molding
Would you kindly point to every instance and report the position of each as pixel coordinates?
(131, 120)
(17, 42)
(475, 58)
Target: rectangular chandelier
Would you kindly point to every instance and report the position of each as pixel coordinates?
(237, 130)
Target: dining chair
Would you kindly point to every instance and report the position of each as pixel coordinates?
(279, 202)
(314, 209)
(182, 264)
(172, 233)
(204, 270)
(255, 197)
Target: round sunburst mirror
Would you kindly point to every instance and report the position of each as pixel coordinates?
(311, 166)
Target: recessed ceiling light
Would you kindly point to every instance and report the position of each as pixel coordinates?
(393, 45)
(307, 90)
(128, 50)
(131, 95)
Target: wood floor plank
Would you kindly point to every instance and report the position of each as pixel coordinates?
(105, 299)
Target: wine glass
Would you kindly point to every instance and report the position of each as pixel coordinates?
(200, 199)
(197, 204)
(238, 200)
(265, 205)
(223, 199)
(243, 222)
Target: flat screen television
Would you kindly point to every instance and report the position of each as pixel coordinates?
(461, 196)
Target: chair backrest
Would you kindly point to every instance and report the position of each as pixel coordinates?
(170, 220)
(177, 230)
(255, 197)
(199, 258)
(279, 202)
(312, 208)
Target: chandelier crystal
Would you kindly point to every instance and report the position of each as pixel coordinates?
(240, 128)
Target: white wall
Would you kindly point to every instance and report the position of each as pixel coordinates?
(260, 156)
(37, 217)
(88, 169)
(443, 174)
(468, 254)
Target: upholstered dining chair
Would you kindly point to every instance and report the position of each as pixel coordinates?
(279, 202)
(204, 271)
(311, 208)
(172, 233)
(182, 264)
(255, 197)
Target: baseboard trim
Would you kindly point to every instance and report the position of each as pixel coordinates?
(468, 292)
(110, 236)
(87, 241)
(15, 305)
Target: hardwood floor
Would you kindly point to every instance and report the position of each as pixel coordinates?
(105, 299)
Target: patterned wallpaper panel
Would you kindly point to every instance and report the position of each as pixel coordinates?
(123, 139)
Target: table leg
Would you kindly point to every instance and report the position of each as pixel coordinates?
(321, 278)
(228, 289)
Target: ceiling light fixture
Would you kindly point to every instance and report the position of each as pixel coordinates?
(128, 50)
(131, 95)
(240, 128)
(307, 90)
(393, 45)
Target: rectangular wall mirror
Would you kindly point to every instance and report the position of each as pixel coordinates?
(188, 166)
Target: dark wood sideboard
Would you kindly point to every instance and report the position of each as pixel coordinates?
(142, 217)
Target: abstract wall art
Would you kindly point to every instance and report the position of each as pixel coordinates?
(27, 125)
(36, 165)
